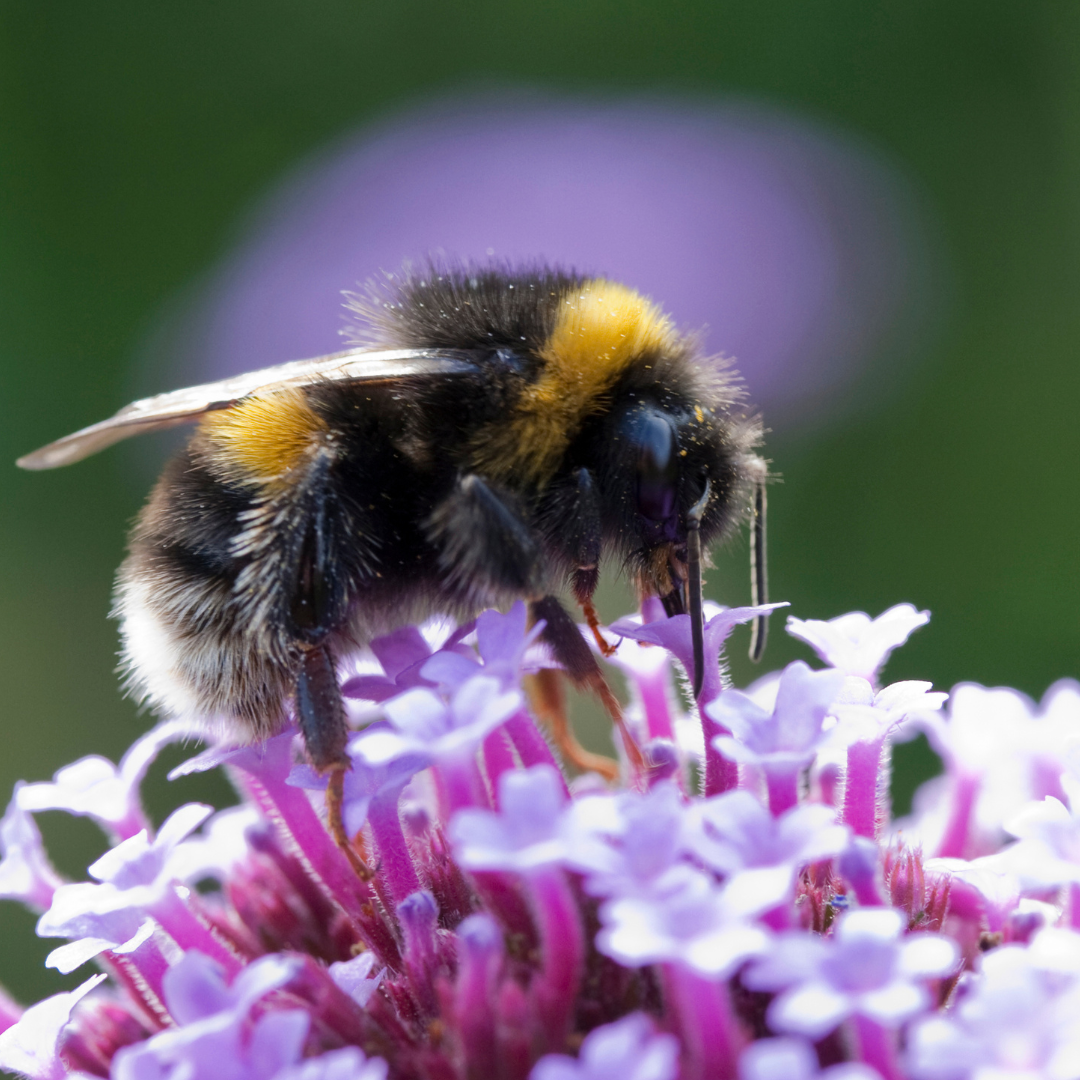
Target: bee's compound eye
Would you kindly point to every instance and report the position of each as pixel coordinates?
(650, 434)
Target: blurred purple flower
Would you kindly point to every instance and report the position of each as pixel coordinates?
(95, 787)
(796, 247)
(1020, 1017)
(525, 834)
(867, 969)
(629, 1049)
(625, 844)
(855, 643)
(790, 735)
(734, 834)
(786, 1058)
(214, 1038)
(31, 1047)
(134, 882)
(687, 920)
(355, 977)
(25, 871)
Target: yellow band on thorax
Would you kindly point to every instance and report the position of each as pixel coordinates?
(602, 328)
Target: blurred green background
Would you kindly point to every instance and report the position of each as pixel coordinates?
(134, 135)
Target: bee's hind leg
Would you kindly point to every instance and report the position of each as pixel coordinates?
(562, 635)
(321, 715)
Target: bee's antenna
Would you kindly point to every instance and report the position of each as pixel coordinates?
(693, 585)
(759, 574)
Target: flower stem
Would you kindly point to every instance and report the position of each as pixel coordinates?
(705, 1023)
(721, 774)
(876, 1046)
(563, 951)
(190, 932)
(862, 788)
(498, 758)
(954, 842)
(395, 863)
(783, 787)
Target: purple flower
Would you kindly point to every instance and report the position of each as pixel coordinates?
(629, 1049)
(856, 644)
(625, 844)
(787, 240)
(423, 724)
(355, 978)
(32, 1046)
(1001, 751)
(134, 881)
(25, 871)
(690, 921)
(467, 952)
(867, 969)
(786, 1058)
(1048, 851)
(1019, 1017)
(674, 634)
(503, 642)
(654, 710)
(214, 1038)
(734, 834)
(791, 734)
(95, 787)
(526, 832)
(866, 715)
(348, 1063)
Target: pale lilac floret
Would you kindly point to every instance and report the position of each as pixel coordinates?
(865, 715)
(675, 635)
(95, 787)
(792, 732)
(624, 844)
(1018, 1017)
(31, 1047)
(25, 871)
(134, 880)
(1048, 849)
(867, 969)
(365, 781)
(787, 1058)
(526, 833)
(654, 707)
(214, 852)
(629, 1049)
(214, 1038)
(348, 1063)
(856, 644)
(356, 977)
(1001, 751)
(423, 724)
(504, 644)
(690, 921)
(734, 834)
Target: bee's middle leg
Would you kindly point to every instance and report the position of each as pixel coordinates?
(321, 715)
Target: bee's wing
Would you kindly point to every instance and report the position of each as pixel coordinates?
(182, 406)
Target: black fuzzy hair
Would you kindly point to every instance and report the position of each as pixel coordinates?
(462, 306)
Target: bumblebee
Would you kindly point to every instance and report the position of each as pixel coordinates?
(497, 434)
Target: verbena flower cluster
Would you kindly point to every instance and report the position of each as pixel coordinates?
(741, 905)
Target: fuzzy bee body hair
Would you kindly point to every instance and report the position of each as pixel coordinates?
(535, 426)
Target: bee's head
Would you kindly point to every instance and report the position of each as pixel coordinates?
(675, 475)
